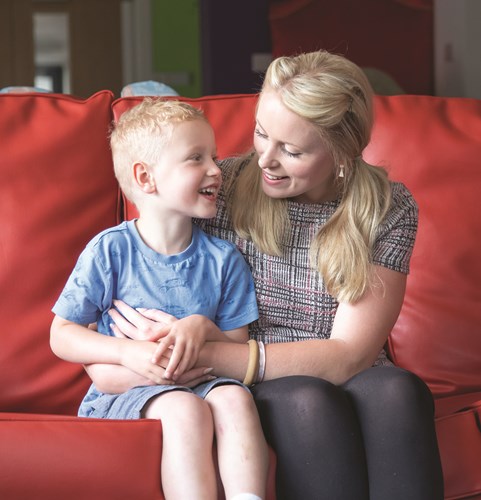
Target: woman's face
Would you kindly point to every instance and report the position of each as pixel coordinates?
(294, 161)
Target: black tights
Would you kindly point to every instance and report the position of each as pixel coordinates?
(372, 438)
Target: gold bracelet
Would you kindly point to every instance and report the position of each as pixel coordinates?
(253, 363)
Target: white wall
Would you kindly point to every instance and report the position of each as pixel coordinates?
(136, 40)
(457, 42)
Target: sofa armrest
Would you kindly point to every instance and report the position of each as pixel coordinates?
(45, 457)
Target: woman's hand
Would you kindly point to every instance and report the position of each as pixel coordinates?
(139, 324)
(180, 340)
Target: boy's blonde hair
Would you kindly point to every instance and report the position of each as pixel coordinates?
(141, 132)
(335, 96)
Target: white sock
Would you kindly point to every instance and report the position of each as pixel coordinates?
(246, 496)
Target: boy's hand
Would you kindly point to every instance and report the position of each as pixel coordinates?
(137, 356)
(185, 338)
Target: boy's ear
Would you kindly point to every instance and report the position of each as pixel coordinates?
(143, 178)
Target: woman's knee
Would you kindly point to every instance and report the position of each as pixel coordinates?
(299, 388)
(392, 386)
(307, 400)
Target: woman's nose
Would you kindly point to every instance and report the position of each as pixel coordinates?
(267, 158)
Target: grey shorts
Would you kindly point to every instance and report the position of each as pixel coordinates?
(129, 405)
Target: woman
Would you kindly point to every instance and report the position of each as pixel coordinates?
(328, 238)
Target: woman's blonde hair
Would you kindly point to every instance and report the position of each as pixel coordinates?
(141, 132)
(335, 96)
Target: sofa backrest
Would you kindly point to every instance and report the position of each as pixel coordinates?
(57, 190)
(433, 145)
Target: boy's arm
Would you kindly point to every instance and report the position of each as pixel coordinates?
(79, 344)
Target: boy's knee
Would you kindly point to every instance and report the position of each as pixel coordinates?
(176, 405)
(231, 396)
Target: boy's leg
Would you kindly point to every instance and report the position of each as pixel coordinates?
(187, 467)
(241, 447)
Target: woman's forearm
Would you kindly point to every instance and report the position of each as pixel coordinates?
(328, 359)
(228, 359)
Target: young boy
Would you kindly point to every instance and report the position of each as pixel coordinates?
(164, 158)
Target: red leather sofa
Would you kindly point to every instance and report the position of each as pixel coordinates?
(57, 190)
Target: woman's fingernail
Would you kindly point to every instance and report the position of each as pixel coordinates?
(211, 377)
(208, 370)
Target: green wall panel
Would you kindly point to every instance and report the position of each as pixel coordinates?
(176, 42)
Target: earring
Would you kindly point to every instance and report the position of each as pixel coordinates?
(341, 170)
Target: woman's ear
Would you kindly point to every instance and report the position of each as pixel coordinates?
(144, 178)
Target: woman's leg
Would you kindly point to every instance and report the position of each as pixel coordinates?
(187, 465)
(313, 429)
(395, 411)
(241, 447)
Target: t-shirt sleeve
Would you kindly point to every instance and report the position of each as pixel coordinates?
(397, 233)
(238, 305)
(84, 294)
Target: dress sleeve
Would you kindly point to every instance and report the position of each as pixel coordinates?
(397, 233)
(238, 306)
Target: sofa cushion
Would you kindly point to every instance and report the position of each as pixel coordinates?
(57, 190)
(433, 145)
(51, 457)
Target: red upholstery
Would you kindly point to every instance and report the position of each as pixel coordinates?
(433, 145)
(48, 457)
(57, 190)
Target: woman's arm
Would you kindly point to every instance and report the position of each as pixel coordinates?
(115, 379)
(359, 333)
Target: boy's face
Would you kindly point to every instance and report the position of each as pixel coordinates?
(187, 178)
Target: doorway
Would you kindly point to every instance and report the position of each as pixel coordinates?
(73, 46)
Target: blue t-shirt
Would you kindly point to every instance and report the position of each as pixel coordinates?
(210, 277)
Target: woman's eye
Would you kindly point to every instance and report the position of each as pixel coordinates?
(290, 154)
(259, 133)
